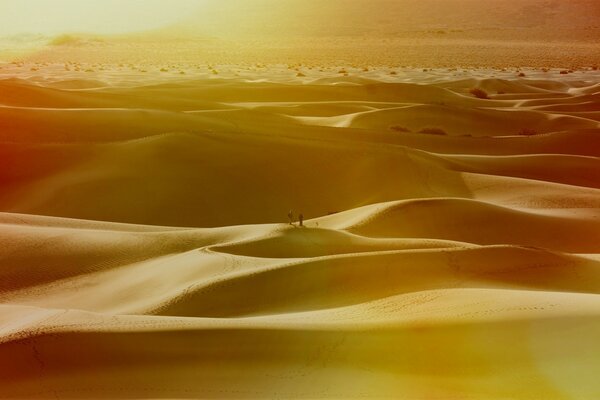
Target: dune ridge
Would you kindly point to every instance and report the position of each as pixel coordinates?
(450, 248)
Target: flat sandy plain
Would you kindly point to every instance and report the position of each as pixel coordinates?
(450, 248)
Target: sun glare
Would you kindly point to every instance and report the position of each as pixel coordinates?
(91, 16)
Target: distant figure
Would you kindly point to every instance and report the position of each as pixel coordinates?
(300, 220)
(291, 217)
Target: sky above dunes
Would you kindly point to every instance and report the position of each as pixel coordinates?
(237, 18)
(282, 18)
(91, 16)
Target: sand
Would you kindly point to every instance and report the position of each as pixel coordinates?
(314, 33)
(450, 250)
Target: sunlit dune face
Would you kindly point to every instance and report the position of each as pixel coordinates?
(95, 16)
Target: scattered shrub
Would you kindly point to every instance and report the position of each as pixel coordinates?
(479, 93)
(65, 40)
(521, 74)
(434, 131)
(398, 128)
(528, 132)
(73, 40)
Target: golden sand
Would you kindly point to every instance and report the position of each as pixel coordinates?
(450, 248)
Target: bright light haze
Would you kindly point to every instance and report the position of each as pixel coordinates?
(97, 16)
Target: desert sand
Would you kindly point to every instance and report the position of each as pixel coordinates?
(450, 250)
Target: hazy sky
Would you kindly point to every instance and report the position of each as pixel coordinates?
(97, 16)
(279, 18)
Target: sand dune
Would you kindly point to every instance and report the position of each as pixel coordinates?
(450, 247)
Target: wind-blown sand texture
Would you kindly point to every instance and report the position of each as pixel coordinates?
(462, 263)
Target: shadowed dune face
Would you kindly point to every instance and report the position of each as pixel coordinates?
(449, 249)
(205, 174)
